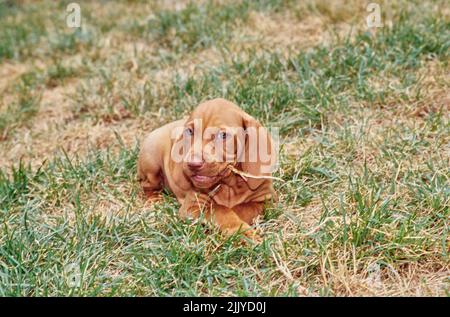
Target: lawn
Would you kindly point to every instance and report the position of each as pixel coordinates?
(363, 115)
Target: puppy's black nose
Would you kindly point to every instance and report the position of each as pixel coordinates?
(195, 165)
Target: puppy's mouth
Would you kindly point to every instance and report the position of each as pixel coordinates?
(204, 179)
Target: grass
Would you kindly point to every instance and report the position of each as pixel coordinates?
(363, 117)
(24, 106)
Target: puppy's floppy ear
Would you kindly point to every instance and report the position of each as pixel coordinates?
(259, 154)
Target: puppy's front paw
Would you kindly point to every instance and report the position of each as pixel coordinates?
(186, 213)
(193, 205)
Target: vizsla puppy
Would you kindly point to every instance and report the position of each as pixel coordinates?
(217, 161)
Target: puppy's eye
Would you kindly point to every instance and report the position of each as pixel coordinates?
(222, 135)
(188, 132)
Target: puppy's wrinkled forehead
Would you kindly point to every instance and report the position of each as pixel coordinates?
(218, 113)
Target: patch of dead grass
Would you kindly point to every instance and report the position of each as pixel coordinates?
(284, 32)
(9, 72)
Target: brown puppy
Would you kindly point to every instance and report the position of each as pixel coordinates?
(213, 163)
